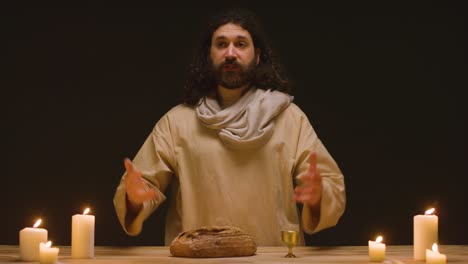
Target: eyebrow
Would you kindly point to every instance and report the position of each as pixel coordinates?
(237, 37)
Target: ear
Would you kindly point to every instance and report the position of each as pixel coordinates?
(257, 55)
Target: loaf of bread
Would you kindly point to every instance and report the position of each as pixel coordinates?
(213, 242)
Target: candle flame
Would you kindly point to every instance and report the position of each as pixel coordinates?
(435, 248)
(379, 239)
(38, 223)
(86, 211)
(48, 244)
(430, 211)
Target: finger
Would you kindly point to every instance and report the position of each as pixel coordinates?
(143, 196)
(132, 172)
(307, 191)
(296, 198)
(128, 165)
(312, 162)
(310, 186)
(303, 198)
(306, 197)
(149, 195)
(299, 191)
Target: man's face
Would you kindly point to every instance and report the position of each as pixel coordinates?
(233, 56)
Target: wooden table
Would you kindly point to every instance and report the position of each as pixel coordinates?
(270, 255)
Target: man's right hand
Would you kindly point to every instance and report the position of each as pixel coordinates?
(136, 188)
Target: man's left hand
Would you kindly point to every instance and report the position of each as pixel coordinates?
(310, 190)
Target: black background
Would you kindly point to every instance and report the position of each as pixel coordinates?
(382, 85)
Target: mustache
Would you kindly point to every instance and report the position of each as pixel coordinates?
(230, 63)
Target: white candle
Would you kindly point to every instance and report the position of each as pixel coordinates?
(29, 239)
(424, 233)
(434, 257)
(376, 250)
(48, 255)
(83, 235)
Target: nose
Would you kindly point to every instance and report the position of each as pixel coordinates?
(231, 52)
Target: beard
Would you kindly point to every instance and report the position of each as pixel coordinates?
(233, 79)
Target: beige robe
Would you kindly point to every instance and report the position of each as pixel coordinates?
(216, 185)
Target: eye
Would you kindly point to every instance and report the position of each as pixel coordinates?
(241, 44)
(221, 44)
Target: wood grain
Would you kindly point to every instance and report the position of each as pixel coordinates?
(264, 255)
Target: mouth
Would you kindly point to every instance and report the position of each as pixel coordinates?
(231, 68)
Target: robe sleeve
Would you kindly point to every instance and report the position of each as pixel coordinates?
(156, 161)
(333, 195)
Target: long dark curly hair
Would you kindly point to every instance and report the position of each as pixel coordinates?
(269, 73)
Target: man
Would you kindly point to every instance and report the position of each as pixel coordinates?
(232, 151)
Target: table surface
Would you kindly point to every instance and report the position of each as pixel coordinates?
(271, 255)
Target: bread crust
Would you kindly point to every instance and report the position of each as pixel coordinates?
(213, 242)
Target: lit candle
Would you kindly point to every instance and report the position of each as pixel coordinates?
(48, 255)
(376, 250)
(434, 257)
(29, 239)
(424, 233)
(83, 235)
